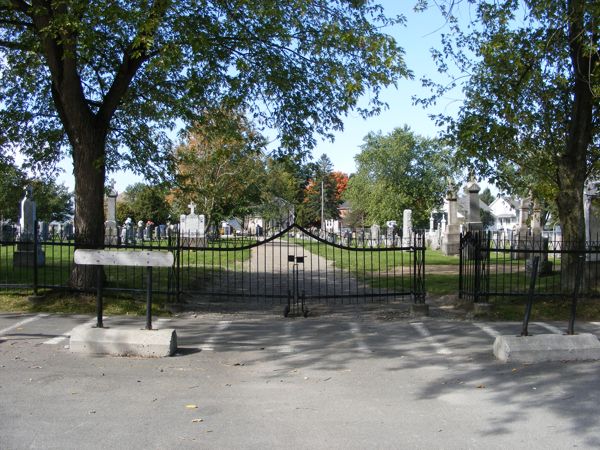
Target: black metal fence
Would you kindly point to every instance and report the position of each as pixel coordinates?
(358, 266)
(268, 266)
(492, 265)
(50, 265)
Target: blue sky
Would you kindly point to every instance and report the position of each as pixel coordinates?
(420, 33)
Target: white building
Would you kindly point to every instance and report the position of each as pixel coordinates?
(505, 212)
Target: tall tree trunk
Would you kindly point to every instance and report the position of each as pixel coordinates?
(572, 171)
(89, 171)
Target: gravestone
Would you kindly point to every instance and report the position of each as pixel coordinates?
(111, 234)
(390, 236)
(539, 243)
(127, 232)
(192, 227)
(7, 232)
(140, 230)
(521, 239)
(227, 229)
(474, 215)
(407, 228)
(161, 232)
(44, 231)
(375, 235)
(451, 235)
(28, 253)
(591, 213)
(67, 231)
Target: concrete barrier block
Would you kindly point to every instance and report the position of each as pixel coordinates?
(547, 347)
(124, 342)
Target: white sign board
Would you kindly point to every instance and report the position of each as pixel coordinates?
(137, 258)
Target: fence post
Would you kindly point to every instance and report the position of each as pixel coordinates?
(486, 266)
(418, 283)
(99, 306)
(35, 255)
(580, 269)
(149, 298)
(534, 271)
(460, 266)
(477, 255)
(178, 265)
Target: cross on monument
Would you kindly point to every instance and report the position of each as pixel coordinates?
(192, 206)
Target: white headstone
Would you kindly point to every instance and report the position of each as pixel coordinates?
(192, 226)
(27, 220)
(110, 226)
(406, 227)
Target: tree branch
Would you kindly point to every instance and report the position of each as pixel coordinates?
(134, 57)
(13, 45)
(18, 23)
(21, 5)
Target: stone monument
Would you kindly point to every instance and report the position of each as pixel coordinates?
(29, 252)
(521, 240)
(111, 234)
(539, 244)
(474, 223)
(451, 235)
(407, 228)
(192, 227)
(375, 233)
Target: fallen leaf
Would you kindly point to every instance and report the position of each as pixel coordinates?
(191, 406)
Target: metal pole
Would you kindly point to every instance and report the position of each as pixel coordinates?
(534, 270)
(35, 261)
(99, 308)
(461, 261)
(149, 299)
(322, 206)
(578, 277)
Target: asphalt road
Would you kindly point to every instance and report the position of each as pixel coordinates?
(262, 382)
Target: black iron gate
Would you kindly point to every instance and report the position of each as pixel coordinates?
(296, 267)
(474, 274)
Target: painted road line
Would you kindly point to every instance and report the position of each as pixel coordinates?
(209, 343)
(21, 323)
(158, 323)
(424, 332)
(287, 336)
(550, 328)
(358, 338)
(63, 337)
(487, 329)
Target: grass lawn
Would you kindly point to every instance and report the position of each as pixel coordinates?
(62, 302)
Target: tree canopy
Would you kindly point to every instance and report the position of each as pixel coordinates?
(530, 120)
(322, 191)
(136, 67)
(53, 201)
(143, 202)
(399, 171)
(104, 80)
(220, 167)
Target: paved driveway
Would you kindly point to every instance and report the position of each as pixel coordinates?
(262, 382)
